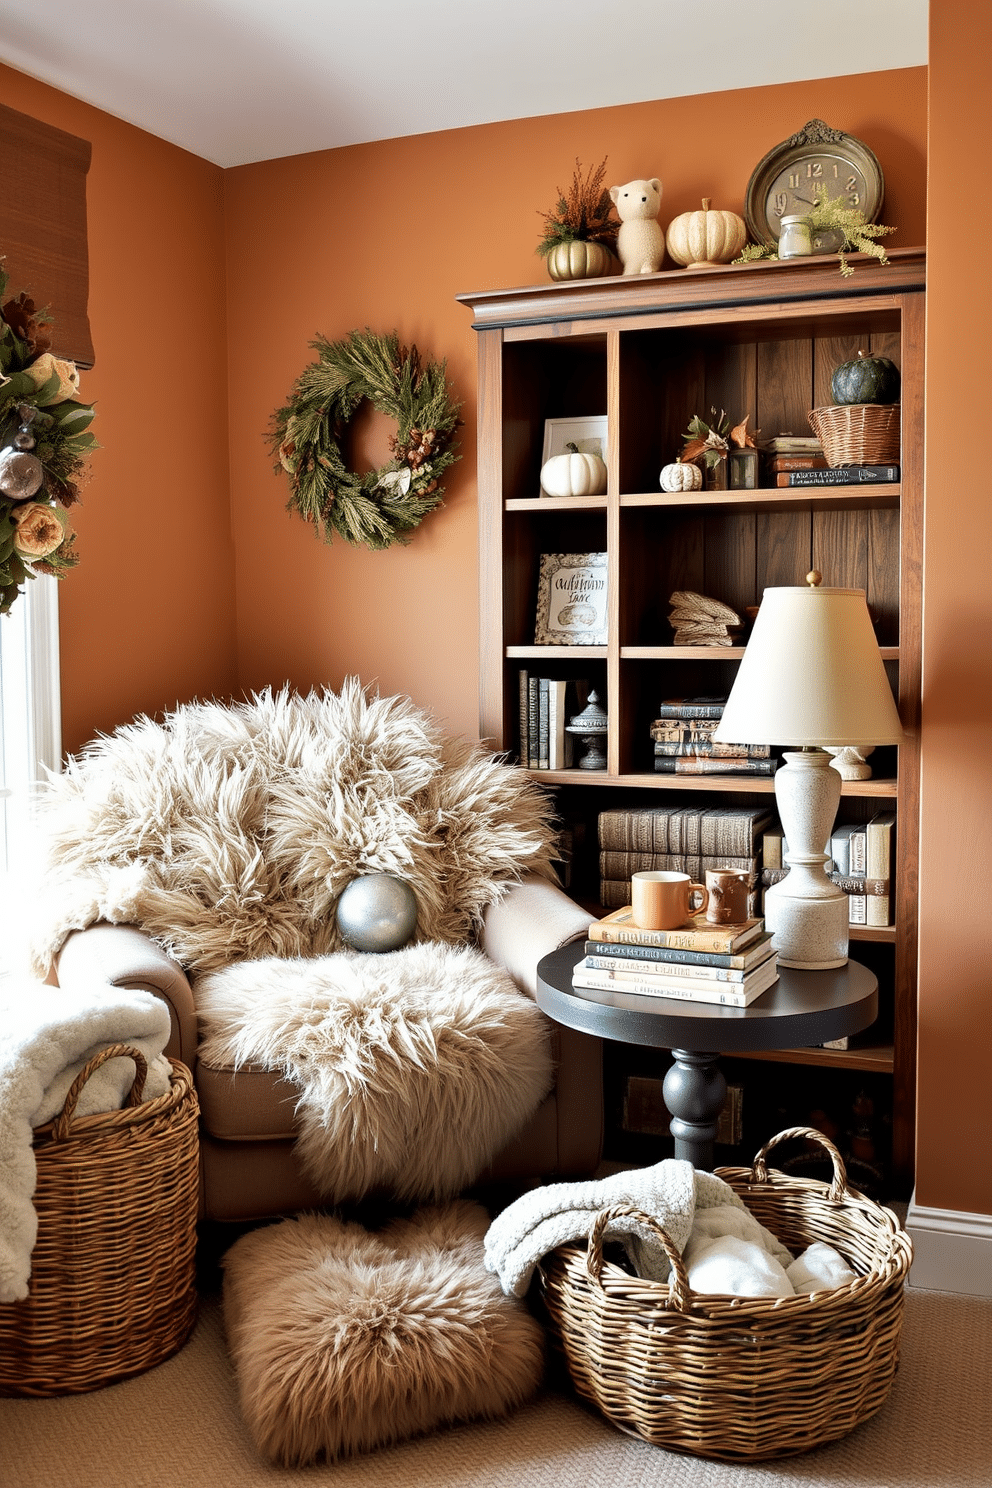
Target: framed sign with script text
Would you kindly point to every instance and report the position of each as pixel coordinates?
(571, 600)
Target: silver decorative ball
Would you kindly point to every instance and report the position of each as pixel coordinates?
(21, 474)
(377, 912)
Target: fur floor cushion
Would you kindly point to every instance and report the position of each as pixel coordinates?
(227, 832)
(344, 1340)
(414, 1067)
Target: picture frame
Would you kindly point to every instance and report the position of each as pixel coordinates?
(588, 434)
(571, 600)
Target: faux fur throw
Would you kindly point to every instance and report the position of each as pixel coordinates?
(47, 1036)
(228, 832)
(415, 1068)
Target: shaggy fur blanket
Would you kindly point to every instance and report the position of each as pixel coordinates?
(227, 832)
(415, 1068)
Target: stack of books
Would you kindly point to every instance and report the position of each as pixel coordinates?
(546, 704)
(787, 453)
(684, 839)
(729, 965)
(862, 855)
(683, 743)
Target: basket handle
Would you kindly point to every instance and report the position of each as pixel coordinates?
(679, 1283)
(838, 1187)
(60, 1127)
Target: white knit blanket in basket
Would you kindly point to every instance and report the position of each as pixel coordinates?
(47, 1036)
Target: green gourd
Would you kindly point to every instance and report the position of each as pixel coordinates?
(868, 379)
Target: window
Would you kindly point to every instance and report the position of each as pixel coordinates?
(30, 714)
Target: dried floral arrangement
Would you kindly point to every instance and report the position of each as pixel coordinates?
(709, 441)
(45, 441)
(582, 214)
(830, 214)
(378, 508)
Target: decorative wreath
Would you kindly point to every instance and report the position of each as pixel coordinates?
(45, 442)
(382, 506)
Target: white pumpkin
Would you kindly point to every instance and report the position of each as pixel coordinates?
(683, 475)
(708, 237)
(573, 474)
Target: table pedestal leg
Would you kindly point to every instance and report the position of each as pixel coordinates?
(694, 1090)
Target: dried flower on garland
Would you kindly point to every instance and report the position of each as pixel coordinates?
(583, 214)
(44, 444)
(381, 507)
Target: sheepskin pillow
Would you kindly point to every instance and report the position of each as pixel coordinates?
(415, 1067)
(344, 1340)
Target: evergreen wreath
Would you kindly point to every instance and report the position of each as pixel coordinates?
(384, 505)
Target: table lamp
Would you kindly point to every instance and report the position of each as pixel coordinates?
(811, 676)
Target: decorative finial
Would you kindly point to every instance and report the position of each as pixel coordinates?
(814, 577)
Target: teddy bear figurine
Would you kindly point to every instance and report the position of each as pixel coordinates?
(640, 242)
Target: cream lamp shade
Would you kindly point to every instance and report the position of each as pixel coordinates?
(812, 677)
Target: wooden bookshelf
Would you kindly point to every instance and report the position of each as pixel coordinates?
(649, 352)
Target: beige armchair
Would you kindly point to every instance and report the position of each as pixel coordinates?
(247, 1163)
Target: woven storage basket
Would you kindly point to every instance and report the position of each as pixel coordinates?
(740, 1378)
(858, 433)
(113, 1283)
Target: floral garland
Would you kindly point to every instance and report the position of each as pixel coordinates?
(382, 506)
(44, 444)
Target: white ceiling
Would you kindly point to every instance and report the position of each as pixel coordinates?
(242, 80)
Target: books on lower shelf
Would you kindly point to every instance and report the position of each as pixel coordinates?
(727, 831)
(863, 862)
(840, 475)
(696, 935)
(682, 988)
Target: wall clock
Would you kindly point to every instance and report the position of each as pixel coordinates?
(782, 184)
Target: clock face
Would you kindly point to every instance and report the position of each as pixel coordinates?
(794, 189)
(784, 183)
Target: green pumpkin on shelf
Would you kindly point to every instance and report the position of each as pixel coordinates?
(867, 379)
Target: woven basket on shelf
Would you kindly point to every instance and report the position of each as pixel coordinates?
(113, 1284)
(858, 433)
(740, 1378)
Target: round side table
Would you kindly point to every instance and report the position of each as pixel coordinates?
(801, 1008)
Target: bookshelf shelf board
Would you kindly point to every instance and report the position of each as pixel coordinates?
(708, 653)
(884, 933)
(751, 784)
(551, 654)
(876, 1059)
(779, 498)
(555, 503)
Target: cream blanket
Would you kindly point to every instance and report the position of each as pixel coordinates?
(46, 1038)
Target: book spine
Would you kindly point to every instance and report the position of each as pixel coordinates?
(523, 716)
(689, 742)
(850, 883)
(595, 982)
(842, 475)
(686, 708)
(778, 463)
(634, 831)
(713, 832)
(620, 865)
(773, 848)
(661, 955)
(734, 833)
(687, 940)
(698, 764)
(879, 835)
(533, 721)
(701, 972)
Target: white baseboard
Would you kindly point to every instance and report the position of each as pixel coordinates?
(952, 1251)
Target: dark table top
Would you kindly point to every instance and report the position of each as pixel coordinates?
(800, 1009)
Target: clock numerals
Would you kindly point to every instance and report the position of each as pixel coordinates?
(780, 203)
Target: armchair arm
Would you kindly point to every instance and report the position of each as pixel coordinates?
(533, 918)
(124, 956)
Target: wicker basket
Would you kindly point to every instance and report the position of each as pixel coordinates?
(738, 1378)
(858, 433)
(113, 1284)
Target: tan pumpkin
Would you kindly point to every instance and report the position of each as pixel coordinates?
(573, 474)
(697, 239)
(683, 475)
(580, 260)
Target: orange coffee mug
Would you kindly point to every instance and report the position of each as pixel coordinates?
(663, 901)
(728, 890)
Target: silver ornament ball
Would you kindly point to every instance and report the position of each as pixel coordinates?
(377, 912)
(21, 474)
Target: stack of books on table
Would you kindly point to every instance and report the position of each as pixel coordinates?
(682, 738)
(684, 839)
(725, 964)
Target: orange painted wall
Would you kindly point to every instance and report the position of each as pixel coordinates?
(386, 235)
(955, 1027)
(147, 619)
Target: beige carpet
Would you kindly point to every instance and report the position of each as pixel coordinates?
(178, 1427)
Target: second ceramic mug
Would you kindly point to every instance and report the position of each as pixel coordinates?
(663, 901)
(729, 892)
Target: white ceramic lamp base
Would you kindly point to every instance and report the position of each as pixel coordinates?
(806, 913)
